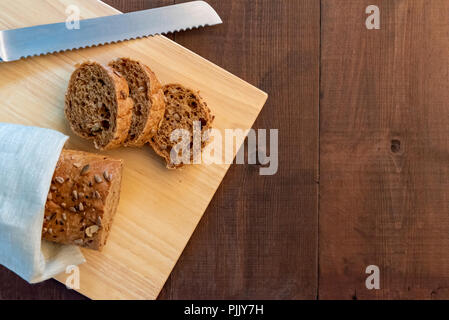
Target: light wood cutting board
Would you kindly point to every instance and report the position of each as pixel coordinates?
(159, 209)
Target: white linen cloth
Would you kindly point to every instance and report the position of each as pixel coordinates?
(28, 157)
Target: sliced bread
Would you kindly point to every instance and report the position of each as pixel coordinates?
(83, 199)
(98, 106)
(149, 105)
(183, 107)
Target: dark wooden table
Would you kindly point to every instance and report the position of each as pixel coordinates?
(363, 156)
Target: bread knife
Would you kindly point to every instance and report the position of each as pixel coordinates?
(51, 38)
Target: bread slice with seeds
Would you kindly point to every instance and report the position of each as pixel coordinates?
(83, 199)
(98, 106)
(183, 107)
(149, 105)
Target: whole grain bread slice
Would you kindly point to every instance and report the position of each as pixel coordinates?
(83, 199)
(184, 107)
(98, 106)
(149, 104)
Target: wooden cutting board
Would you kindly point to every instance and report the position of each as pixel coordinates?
(159, 209)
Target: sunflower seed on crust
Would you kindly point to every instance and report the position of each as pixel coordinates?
(59, 180)
(85, 170)
(107, 176)
(90, 231)
(98, 179)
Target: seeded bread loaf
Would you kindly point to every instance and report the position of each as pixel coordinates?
(183, 107)
(149, 104)
(83, 199)
(98, 106)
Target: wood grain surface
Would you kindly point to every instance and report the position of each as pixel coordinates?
(384, 189)
(159, 209)
(265, 250)
(382, 161)
(269, 247)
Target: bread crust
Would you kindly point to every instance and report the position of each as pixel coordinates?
(124, 108)
(156, 111)
(72, 185)
(156, 105)
(210, 118)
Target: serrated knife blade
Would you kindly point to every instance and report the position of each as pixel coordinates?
(44, 39)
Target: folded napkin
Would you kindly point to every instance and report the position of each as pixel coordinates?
(28, 158)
